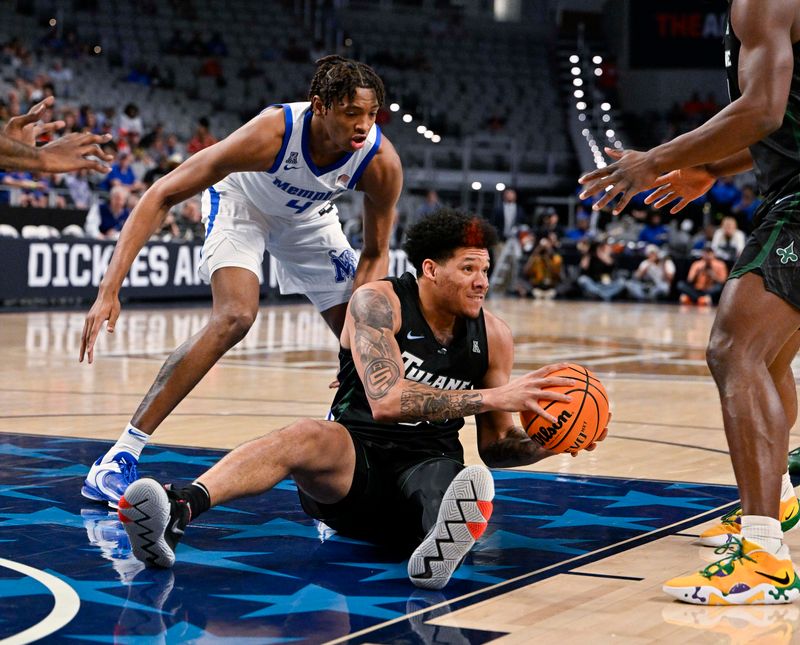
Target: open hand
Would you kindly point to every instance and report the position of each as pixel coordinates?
(630, 174)
(105, 308)
(685, 184)
(26, 128)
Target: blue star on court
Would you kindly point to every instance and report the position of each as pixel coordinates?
(92, 591)
(502, 475)
(501, 540)
(637, 498)
(399, 571)
(277, 527)
(14, 491)
(313, 598)
(572, 518)
(22, 587)
(50, 515)
(172, 457)
(182, 632)
(42, 453)
(501, 496)
(66, 471)
(222, 559)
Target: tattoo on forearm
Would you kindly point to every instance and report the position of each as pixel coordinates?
(435, 406)
(373, 320)
(379, 377)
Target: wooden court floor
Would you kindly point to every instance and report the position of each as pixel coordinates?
(666, 426)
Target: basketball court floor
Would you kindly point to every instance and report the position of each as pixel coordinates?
(576, 551)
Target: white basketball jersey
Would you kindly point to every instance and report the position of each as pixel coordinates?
(294, 187)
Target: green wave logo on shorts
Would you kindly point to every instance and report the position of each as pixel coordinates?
(787, 254)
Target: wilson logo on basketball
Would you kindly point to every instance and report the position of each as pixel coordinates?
(545, 433)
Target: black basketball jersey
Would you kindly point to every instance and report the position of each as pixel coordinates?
(459, 366)
(776, 158)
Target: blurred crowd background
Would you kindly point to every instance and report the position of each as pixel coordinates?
(494, 106)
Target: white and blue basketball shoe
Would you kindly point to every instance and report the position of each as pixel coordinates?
(107, 480)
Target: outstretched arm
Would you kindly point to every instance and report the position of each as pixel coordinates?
(251, 147)
(766, 61)
(381, 182)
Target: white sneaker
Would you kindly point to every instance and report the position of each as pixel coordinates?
(463, 516)
(107, 480)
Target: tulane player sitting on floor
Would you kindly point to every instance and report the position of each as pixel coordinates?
(417, 356)
(268, 185)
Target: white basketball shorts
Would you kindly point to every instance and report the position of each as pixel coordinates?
(313, 256)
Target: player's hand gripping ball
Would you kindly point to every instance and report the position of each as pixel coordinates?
(580, 422)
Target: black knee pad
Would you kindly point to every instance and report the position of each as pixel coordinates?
(423, 486)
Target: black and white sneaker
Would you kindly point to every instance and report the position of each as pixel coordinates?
(154, 518)
(463, 516)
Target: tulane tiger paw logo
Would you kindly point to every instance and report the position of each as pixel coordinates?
(787, 254)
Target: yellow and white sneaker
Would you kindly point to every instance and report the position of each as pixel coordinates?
(731, 523)
(747, 575)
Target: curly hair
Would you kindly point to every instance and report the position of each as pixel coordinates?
(438, 235)
(338, 78)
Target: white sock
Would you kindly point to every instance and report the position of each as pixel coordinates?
(787, 490)
(131, 441)
(764, 531)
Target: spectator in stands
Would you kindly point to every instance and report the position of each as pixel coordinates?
(173, 147)
(165, 165)
(581, 230)
(550, 226)
(212, 68)
(202, 136)
(122, 174)
(130, 120)
(189, 219)
(61, 78)
(544, 270)
(653, 278)
(598, 268)
(723, 195)
(106, 219)
(654, 231)
(706, 278)
(728, 241)
(79, 190)
(703, 239)
(430, 205)
(507, 215)
(745, 209)
(27, 191)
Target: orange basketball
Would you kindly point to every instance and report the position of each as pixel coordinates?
(579, 422)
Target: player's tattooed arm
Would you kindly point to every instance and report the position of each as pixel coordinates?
(373, 321)
(420, 403)
(512, 448)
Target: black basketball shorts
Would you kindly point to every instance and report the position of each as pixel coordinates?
(773, 248)
(387, 503)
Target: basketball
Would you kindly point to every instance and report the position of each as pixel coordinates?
(579, 422)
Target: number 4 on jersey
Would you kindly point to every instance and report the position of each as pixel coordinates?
(293, 203)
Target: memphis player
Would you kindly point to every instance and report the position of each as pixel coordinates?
(269, 185)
